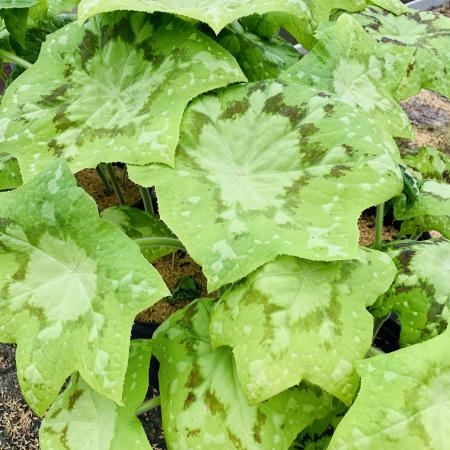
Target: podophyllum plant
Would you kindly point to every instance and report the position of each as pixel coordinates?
(262, 161)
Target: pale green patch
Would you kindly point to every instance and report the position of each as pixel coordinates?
(267, 156)
(427, 34)
(202, 401)
(59, 6)
(321, 9)
(431, 209)
(348, 64)
(112, 92)
(10, 176)
(6, 4)
(394, 6)
(70, 288)
(420, 295)
(138, 225)
(216, 13)
(404, 401)
(259, 58)
(295, 320)
(81, 419)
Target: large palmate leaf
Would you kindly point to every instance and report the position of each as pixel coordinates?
(112, 93)
(216, 13)
(431, 210)
(420, 295)
(139, 225)
(81, 419)
(202, 402)
(344, 64)
(267, 156)
(404, 401)
(70, 287)
(10, 177)
(429, 163)
(259, 58)
(427, 33)
(295, 319)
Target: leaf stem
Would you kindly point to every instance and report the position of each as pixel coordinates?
(379, 224)
(147, 199)
(148, 405)
(374, 351)
(115, 184)
(159, 242)
(104, 178)
(12, 57)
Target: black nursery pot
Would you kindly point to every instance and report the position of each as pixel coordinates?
(142, 330)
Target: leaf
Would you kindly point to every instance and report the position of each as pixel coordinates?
(16, 23)
(81, 419)
(420, 295)
(344, 64)
(394, 6)
(431, 209)
(58, 6)
(10, 177)
(267, 156)
(201, 399)
(321, 9)
(403, 402)
(259, 58)
(138, 224)
(216, 13)
(297, 320)
(10, 4)
(70, 288)
(114, 96)
(426, 32)
(430, 163)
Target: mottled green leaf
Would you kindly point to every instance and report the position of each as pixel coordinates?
(295, 319)
(420, 294)
(426, 32)
(202, 402)
(321, 9)
(394, 6)
(216, 13)
(429, 163)
(16, 23)
(138, 224)
(431, 208)
(7, 4)
(59, 6)
(112, 93)
(269, 169)
(344, 64)
(70, 287)
(10, 177)
(259, 58)
(404, 401)
(81, 419)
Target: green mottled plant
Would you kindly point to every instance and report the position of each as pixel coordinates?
(262, 160)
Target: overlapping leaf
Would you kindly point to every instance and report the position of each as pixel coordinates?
(404, 401)
(321, 9)
(112, 93)
(296, 319)
(59, 6)
(5, 4)
(427, 33)
(344, 64)
(216, 13)
(259, 58)
(138, 225)
(202, 402)
(394, 6)
(269, 169)
(431, 210)
(81, 419)
(429, 163)
(10, 177)
(420, 294)
(70, 287)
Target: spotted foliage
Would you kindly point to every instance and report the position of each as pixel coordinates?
(110, 93)
(81, 419)
(70, 288)
(420, 295)
(10, 177)
(348, 64)
(202, 402)
(139, 225)
(403, 403)
(429, 163)
(295, 320)
(427, 34)
(267, 156)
